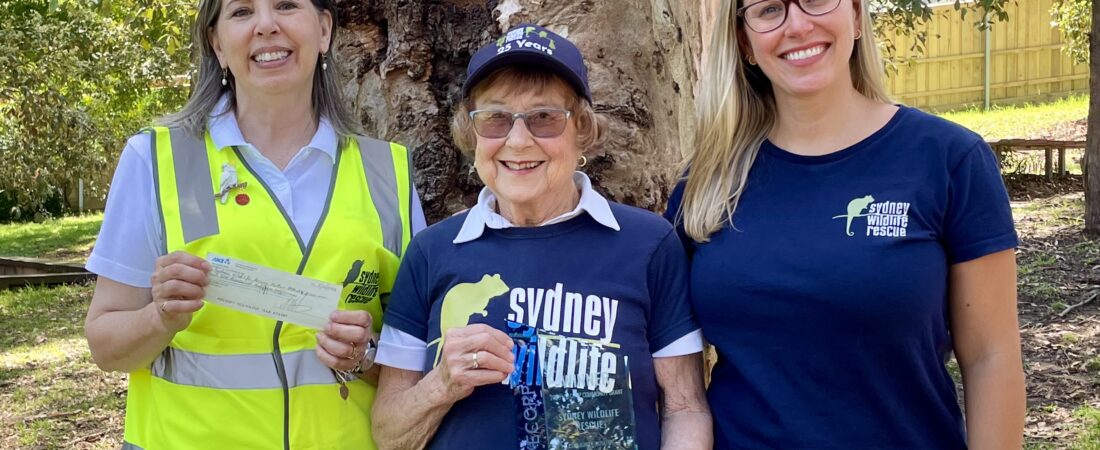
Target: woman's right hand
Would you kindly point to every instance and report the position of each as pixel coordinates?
(474, 355)
(179, 285)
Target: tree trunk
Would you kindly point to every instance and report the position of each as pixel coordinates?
(1092, 148)
(405, 61)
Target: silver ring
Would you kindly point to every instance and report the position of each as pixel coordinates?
(473, 357)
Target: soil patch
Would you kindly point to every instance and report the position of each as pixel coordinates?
(1059, 312)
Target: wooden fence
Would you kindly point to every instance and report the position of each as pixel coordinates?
(1025, 58)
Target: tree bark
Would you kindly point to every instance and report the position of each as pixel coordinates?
(1092, 147)
(406, 59)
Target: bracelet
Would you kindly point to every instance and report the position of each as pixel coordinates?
(364, 364)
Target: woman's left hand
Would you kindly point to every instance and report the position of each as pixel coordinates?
(343, 343)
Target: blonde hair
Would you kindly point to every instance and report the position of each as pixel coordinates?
(515, 80)
(736, 110)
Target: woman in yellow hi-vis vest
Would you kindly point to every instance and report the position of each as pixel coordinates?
(262, 165)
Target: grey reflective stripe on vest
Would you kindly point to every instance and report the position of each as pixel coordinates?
(193, 185)
(129, 446)
(382, 181)
(250, 371)
(156, 190)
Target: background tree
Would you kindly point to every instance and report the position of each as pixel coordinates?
(1077, 20)
(906, 19)
(406, 60)
(1092, 152)
(77, 78)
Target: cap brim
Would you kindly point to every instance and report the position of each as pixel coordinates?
(530, 57)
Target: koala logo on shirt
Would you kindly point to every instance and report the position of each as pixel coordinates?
(464, 300)
(885, 219)
(855, 208)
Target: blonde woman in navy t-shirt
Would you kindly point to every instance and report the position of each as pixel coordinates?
(843, 246)
(543, 248)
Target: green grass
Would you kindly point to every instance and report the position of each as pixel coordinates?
(53, 395)
(1006, 122)
(68, 238)
(1040, 217)
(1035, 285)
(1089, 439)
(1086, 427)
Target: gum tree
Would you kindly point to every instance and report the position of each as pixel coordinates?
(77, 78)
(405, 60)
(1079, 23)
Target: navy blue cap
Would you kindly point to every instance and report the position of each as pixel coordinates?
(530, 44)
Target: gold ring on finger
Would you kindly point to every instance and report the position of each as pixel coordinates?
(352, 355)
(473, 357)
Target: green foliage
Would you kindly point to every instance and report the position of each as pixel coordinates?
(1090, 434)
(906, 19)
(79, 76)
(1073, 18)
(76, 78)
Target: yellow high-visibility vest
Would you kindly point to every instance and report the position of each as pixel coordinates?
(238, 380)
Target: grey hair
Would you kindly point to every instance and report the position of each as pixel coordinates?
(207, 89)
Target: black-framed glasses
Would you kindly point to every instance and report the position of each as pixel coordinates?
(541, 122)
(766, 15)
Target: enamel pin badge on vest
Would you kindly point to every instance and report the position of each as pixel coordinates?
(229, 183)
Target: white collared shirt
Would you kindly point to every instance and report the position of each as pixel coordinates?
(484, 214)
(402, 350)
(121, 253)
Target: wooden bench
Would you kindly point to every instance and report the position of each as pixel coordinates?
(19, 272)
(1048, 146)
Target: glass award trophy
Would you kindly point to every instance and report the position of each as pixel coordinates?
(584, 399)
(526, 384)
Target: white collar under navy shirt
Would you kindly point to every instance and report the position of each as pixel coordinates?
(484, 214)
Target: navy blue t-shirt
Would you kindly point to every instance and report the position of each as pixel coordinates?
(632, 283)
(827, 299)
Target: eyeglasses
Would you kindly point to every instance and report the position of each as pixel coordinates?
(541, 123)
(767, 15)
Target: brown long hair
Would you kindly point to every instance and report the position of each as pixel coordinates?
(207, 89)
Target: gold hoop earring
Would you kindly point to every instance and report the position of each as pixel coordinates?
(859, 34)
(225, 75)
(752, 60)
(582, 161)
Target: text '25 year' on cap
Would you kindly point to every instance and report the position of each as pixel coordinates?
(530, 44)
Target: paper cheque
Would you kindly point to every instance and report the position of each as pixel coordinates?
(257, 289)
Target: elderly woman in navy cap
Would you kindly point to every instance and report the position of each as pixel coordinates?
(543, 249)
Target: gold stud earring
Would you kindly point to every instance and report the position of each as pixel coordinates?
(582, 161)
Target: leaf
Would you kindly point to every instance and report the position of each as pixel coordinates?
(74, 72)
